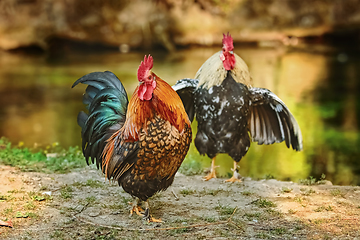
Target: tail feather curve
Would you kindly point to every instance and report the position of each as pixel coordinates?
(106, 100)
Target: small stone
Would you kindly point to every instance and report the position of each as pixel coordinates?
(326, 182)
(94, 213)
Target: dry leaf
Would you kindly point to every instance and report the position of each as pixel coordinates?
(6, 223)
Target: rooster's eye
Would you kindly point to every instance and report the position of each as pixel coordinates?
(149, 77)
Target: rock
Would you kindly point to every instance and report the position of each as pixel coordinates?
(47, 193)
(93, 212)
(326, 182)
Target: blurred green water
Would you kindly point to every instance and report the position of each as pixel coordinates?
(38, 106)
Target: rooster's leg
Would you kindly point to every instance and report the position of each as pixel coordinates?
(236, 176)
(147, 215)
(212, 173)
(136, 208)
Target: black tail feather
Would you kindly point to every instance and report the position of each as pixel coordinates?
(106, 100)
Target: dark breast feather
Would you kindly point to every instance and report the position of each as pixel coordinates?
(222, 112)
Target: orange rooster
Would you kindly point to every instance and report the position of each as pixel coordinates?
(141, 143)
(230, 112)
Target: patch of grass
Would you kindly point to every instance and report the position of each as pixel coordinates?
(299, 227)
(26, 215)
(247, 193)
(116, 206)
(88, 201)
(208, 219)
(278, 231)
(329, 208)
(180, 220)
(322, 179)
(91, 199)
(337, 193)
(21, 215)
(187, 191)
(36, 196)
(212, 192)
(8, 211)
(298, 199)
(263, 235)
(15, 191)
(307, 191)
(263, 203)
(30, 206)
(89, 183)
(224, 210)
(126, 200)
(273, 212)
(269, 176)
(318, 221)
(308, 181)
(319, 209)
(179, 231)
(5, 197)
(322, 208)
(58, 234)
(44, 188)
(59, 161)
(11, 179)
(292, 211)
(312, 181)
(286, 190)
(66, 192)
(251, 216)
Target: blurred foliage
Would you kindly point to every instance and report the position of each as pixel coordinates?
(167, 23)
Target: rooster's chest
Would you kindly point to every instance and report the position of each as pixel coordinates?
(222, 109)
(162, 150)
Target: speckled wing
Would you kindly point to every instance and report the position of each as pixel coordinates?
(271, 121)
(185, 88)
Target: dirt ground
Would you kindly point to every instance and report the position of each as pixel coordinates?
(82, 205)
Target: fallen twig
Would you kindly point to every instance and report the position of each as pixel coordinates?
(176, 197)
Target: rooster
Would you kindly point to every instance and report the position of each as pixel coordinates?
(228, 109)
(141, 143)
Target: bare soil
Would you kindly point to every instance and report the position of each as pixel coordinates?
(82, 205)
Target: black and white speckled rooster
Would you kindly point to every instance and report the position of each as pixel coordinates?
(228, 108)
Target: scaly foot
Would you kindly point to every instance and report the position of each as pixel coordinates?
(236, 176)
(212, 173)
(136, 208)
(233, 179)
(147, 215)
(151, 219)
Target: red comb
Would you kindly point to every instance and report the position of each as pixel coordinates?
(144, 67)
(228, 42)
